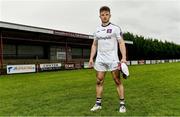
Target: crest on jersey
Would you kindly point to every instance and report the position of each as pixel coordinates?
(109, 30)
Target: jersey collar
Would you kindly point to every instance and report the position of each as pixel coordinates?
(106, 25)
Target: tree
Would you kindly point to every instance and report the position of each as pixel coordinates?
(148, 48)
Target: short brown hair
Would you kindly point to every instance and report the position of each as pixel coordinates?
(104, 8)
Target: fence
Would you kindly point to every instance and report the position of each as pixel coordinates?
(40, 67)
(141, 62)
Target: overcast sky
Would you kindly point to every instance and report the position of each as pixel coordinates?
(150, 18)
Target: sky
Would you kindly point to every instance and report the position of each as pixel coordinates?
(159, 19)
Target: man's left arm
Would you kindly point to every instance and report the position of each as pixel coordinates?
(123, 50)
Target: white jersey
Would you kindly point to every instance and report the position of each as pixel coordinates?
(107, 40)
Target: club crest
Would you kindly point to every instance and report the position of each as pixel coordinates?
(109, 30)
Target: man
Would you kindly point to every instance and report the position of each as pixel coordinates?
(106, 40)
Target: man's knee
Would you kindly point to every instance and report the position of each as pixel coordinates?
(100, 78)
(99, 81)
(117, 81)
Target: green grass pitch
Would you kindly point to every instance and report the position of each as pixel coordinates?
(150, 90)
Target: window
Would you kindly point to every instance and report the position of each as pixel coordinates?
(9, 51)
(25, 51)
(76, 53)
(86, 53)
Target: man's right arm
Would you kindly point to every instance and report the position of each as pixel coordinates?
(93, 52)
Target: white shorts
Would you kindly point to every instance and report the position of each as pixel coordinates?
(100, 66)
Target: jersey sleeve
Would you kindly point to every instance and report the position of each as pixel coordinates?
(118, 33)
(94, 35)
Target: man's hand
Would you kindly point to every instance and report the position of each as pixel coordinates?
(91, 63)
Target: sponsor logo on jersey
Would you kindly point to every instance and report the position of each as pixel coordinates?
(104, 38)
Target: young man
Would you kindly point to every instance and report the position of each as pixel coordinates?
(106, 40)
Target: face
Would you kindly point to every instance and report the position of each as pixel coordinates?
(105, 16)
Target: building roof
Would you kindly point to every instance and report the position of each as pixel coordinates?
(47, 31)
